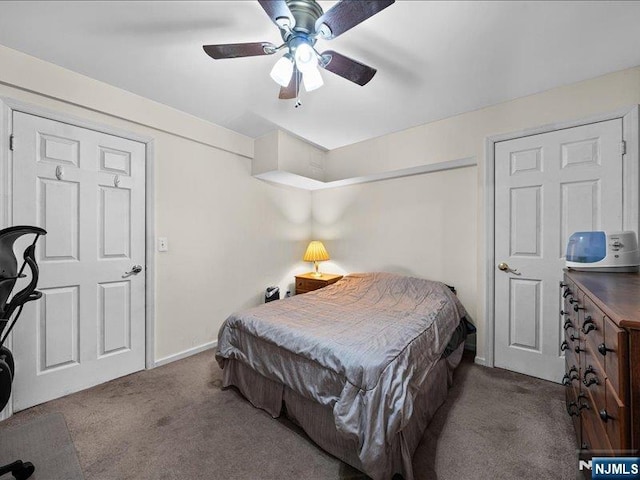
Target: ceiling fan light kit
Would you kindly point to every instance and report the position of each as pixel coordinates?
(312, 79)
(301, 23)
(282, 70)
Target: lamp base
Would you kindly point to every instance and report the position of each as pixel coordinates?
(316, 273)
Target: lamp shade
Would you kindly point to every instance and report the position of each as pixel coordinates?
(312, 79)
(282, 70)
(315, 252)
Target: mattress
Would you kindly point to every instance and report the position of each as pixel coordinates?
(362, 347)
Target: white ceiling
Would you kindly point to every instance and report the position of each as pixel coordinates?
(434, 59)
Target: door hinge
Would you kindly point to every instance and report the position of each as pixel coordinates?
(11, 140)
(623, 148)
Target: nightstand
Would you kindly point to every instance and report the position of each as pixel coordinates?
(307, 282)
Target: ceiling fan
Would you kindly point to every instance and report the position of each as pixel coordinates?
(301, 23)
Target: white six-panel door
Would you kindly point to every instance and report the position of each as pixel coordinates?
(87, 189)
(547, 186)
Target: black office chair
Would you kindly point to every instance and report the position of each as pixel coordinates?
(9, 274)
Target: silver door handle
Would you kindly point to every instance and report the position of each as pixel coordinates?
(136, 269)
(506, 268)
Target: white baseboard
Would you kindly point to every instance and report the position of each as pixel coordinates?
(481, 361)
(186, 353)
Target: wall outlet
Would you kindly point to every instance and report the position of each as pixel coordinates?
(163, 244)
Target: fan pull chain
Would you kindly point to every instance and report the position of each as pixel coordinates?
(298, 102)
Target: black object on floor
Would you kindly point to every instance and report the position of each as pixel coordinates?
(19, 469)
(47, 442)
(9, 274)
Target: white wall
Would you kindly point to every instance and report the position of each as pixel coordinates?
(433, 225)
(230, 235)
(409, 225)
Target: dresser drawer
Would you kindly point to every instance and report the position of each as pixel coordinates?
(307, 285)
(572, 337)
(567, 313)
(570, 356)
(594, 434)
(592, 322)
(573, 409)
(615, 418)
(572, 372)
(593, 376)
(614, 352)
(568, 292)
(309, 282)
(570, 325)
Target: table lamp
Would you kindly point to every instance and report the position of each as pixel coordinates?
(316, 253)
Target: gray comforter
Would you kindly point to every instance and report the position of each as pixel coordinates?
(362, 346)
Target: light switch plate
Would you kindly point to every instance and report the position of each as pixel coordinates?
(163, 244)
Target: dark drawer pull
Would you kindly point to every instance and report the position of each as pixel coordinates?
(590, 381)
(583, 405)
(588, 325)
(574, 338)
(578, 349)
(570, 409)
(564, 345)
(602, 348)
(562, 284)
(568, 324)
(576, 307)
(604, 415)
(562, 312)
(568, 378)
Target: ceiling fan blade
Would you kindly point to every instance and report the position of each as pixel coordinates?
(277, 9)
(291, 90)
(346, 14)
(235, 50)
(348, 68)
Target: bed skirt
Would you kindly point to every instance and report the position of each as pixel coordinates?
(318, 421)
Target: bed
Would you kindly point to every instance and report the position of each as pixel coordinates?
(361, 365)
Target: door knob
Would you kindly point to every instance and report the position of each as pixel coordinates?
(506, 268)
(136, 269)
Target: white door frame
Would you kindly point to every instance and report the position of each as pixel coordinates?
(7, 107)
(630, 199)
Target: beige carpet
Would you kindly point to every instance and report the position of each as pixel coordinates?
(174, 422)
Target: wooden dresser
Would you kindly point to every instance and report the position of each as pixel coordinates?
(601, 322)
(308, 282)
